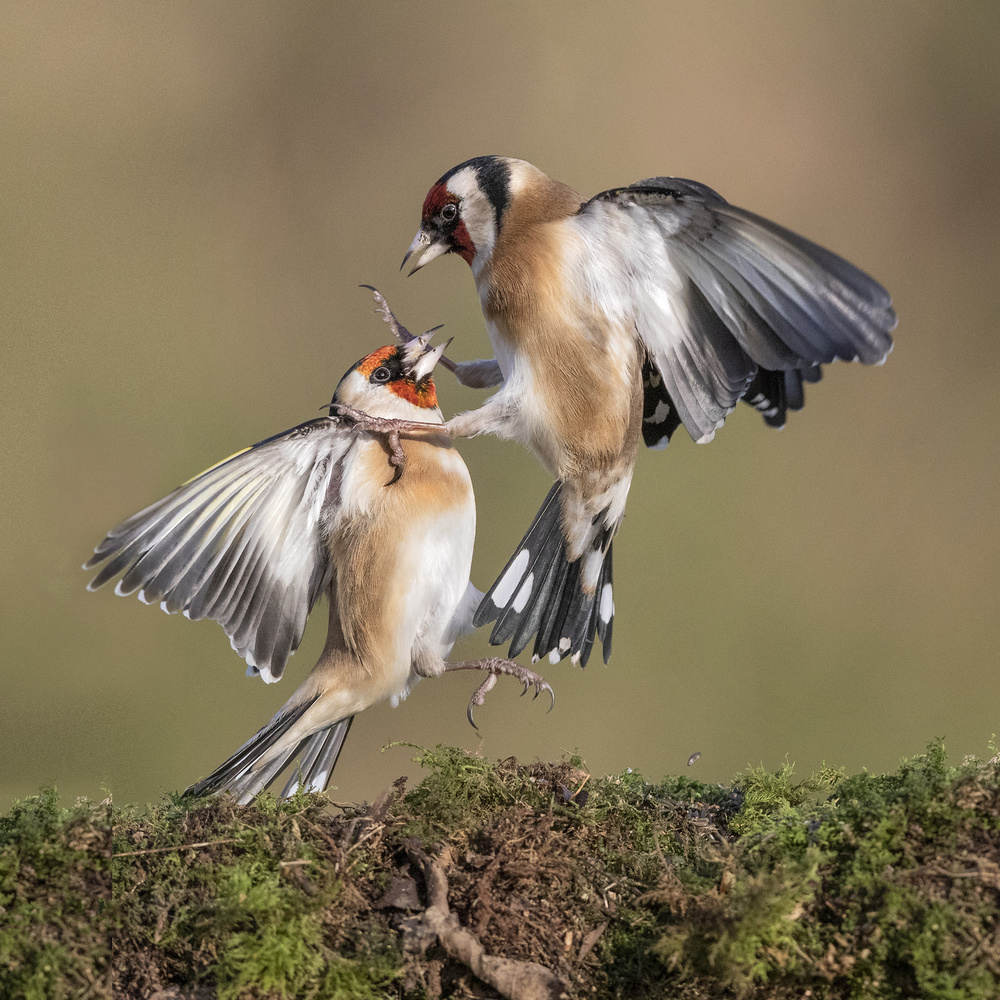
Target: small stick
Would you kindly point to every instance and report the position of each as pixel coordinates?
(179, 847)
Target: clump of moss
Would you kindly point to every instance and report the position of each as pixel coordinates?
(55, 898)
(240, 897)
(887, 887)
(462, 790)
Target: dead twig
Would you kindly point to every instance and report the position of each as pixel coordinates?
(513, 979)
(590, 940)
(177, 847)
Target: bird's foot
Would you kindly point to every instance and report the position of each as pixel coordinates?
(386, 427)
(496, 667)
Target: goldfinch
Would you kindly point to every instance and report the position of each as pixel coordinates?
(254, 541)
(614, 320)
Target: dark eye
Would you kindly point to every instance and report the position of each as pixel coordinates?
(449, 212)
(381, 374)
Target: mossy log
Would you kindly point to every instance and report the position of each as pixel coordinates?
(504, 880)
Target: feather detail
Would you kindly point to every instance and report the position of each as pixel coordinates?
(540, 592)
(717, 292)
(241, 543)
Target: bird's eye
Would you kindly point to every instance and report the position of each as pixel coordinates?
(449, 211)
(381, 374)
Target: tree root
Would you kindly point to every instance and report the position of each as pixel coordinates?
(514, 979)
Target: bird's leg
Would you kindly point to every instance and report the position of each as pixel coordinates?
(475, 374)
(495, 667)
(495, 416)
(498, 416)
(387, 426)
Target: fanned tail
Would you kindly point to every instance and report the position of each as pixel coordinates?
(245, 777)
(540, 593)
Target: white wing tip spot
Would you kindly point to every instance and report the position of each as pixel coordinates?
(660, 414)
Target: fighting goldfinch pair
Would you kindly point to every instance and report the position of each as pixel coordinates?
(613, 320)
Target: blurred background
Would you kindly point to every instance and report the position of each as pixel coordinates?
(191, 194)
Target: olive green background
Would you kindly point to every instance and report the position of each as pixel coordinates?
(191, 194)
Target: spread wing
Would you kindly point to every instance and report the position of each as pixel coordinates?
(716, 293)
(241, 543)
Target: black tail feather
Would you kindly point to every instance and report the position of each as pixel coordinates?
(774, 393)
(605, 627)
(540, 593)
(319, 755)
(556, 608)
(553, 569)
(659, 415)
(243, 777)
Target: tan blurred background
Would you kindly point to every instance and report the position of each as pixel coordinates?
(191, 194)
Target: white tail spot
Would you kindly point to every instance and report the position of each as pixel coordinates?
(524, 593)
(607, 608)
(507, 584)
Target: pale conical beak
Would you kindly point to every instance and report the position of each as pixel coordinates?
(426, 362)
(423, 250)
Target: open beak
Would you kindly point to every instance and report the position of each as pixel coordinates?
(422, 357)
(423, 250)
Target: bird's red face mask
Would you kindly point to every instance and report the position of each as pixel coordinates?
(442, 230)
(405, 371)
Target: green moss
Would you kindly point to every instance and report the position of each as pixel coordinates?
(248, 910)
(55, 894)
(462, 790)
(883, 889)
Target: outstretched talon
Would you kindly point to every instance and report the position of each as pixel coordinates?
(390, 428)
(475, 374)
(496, 667)
(398, 330)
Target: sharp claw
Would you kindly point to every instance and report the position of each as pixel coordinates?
(495, 669)
(397, 457)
